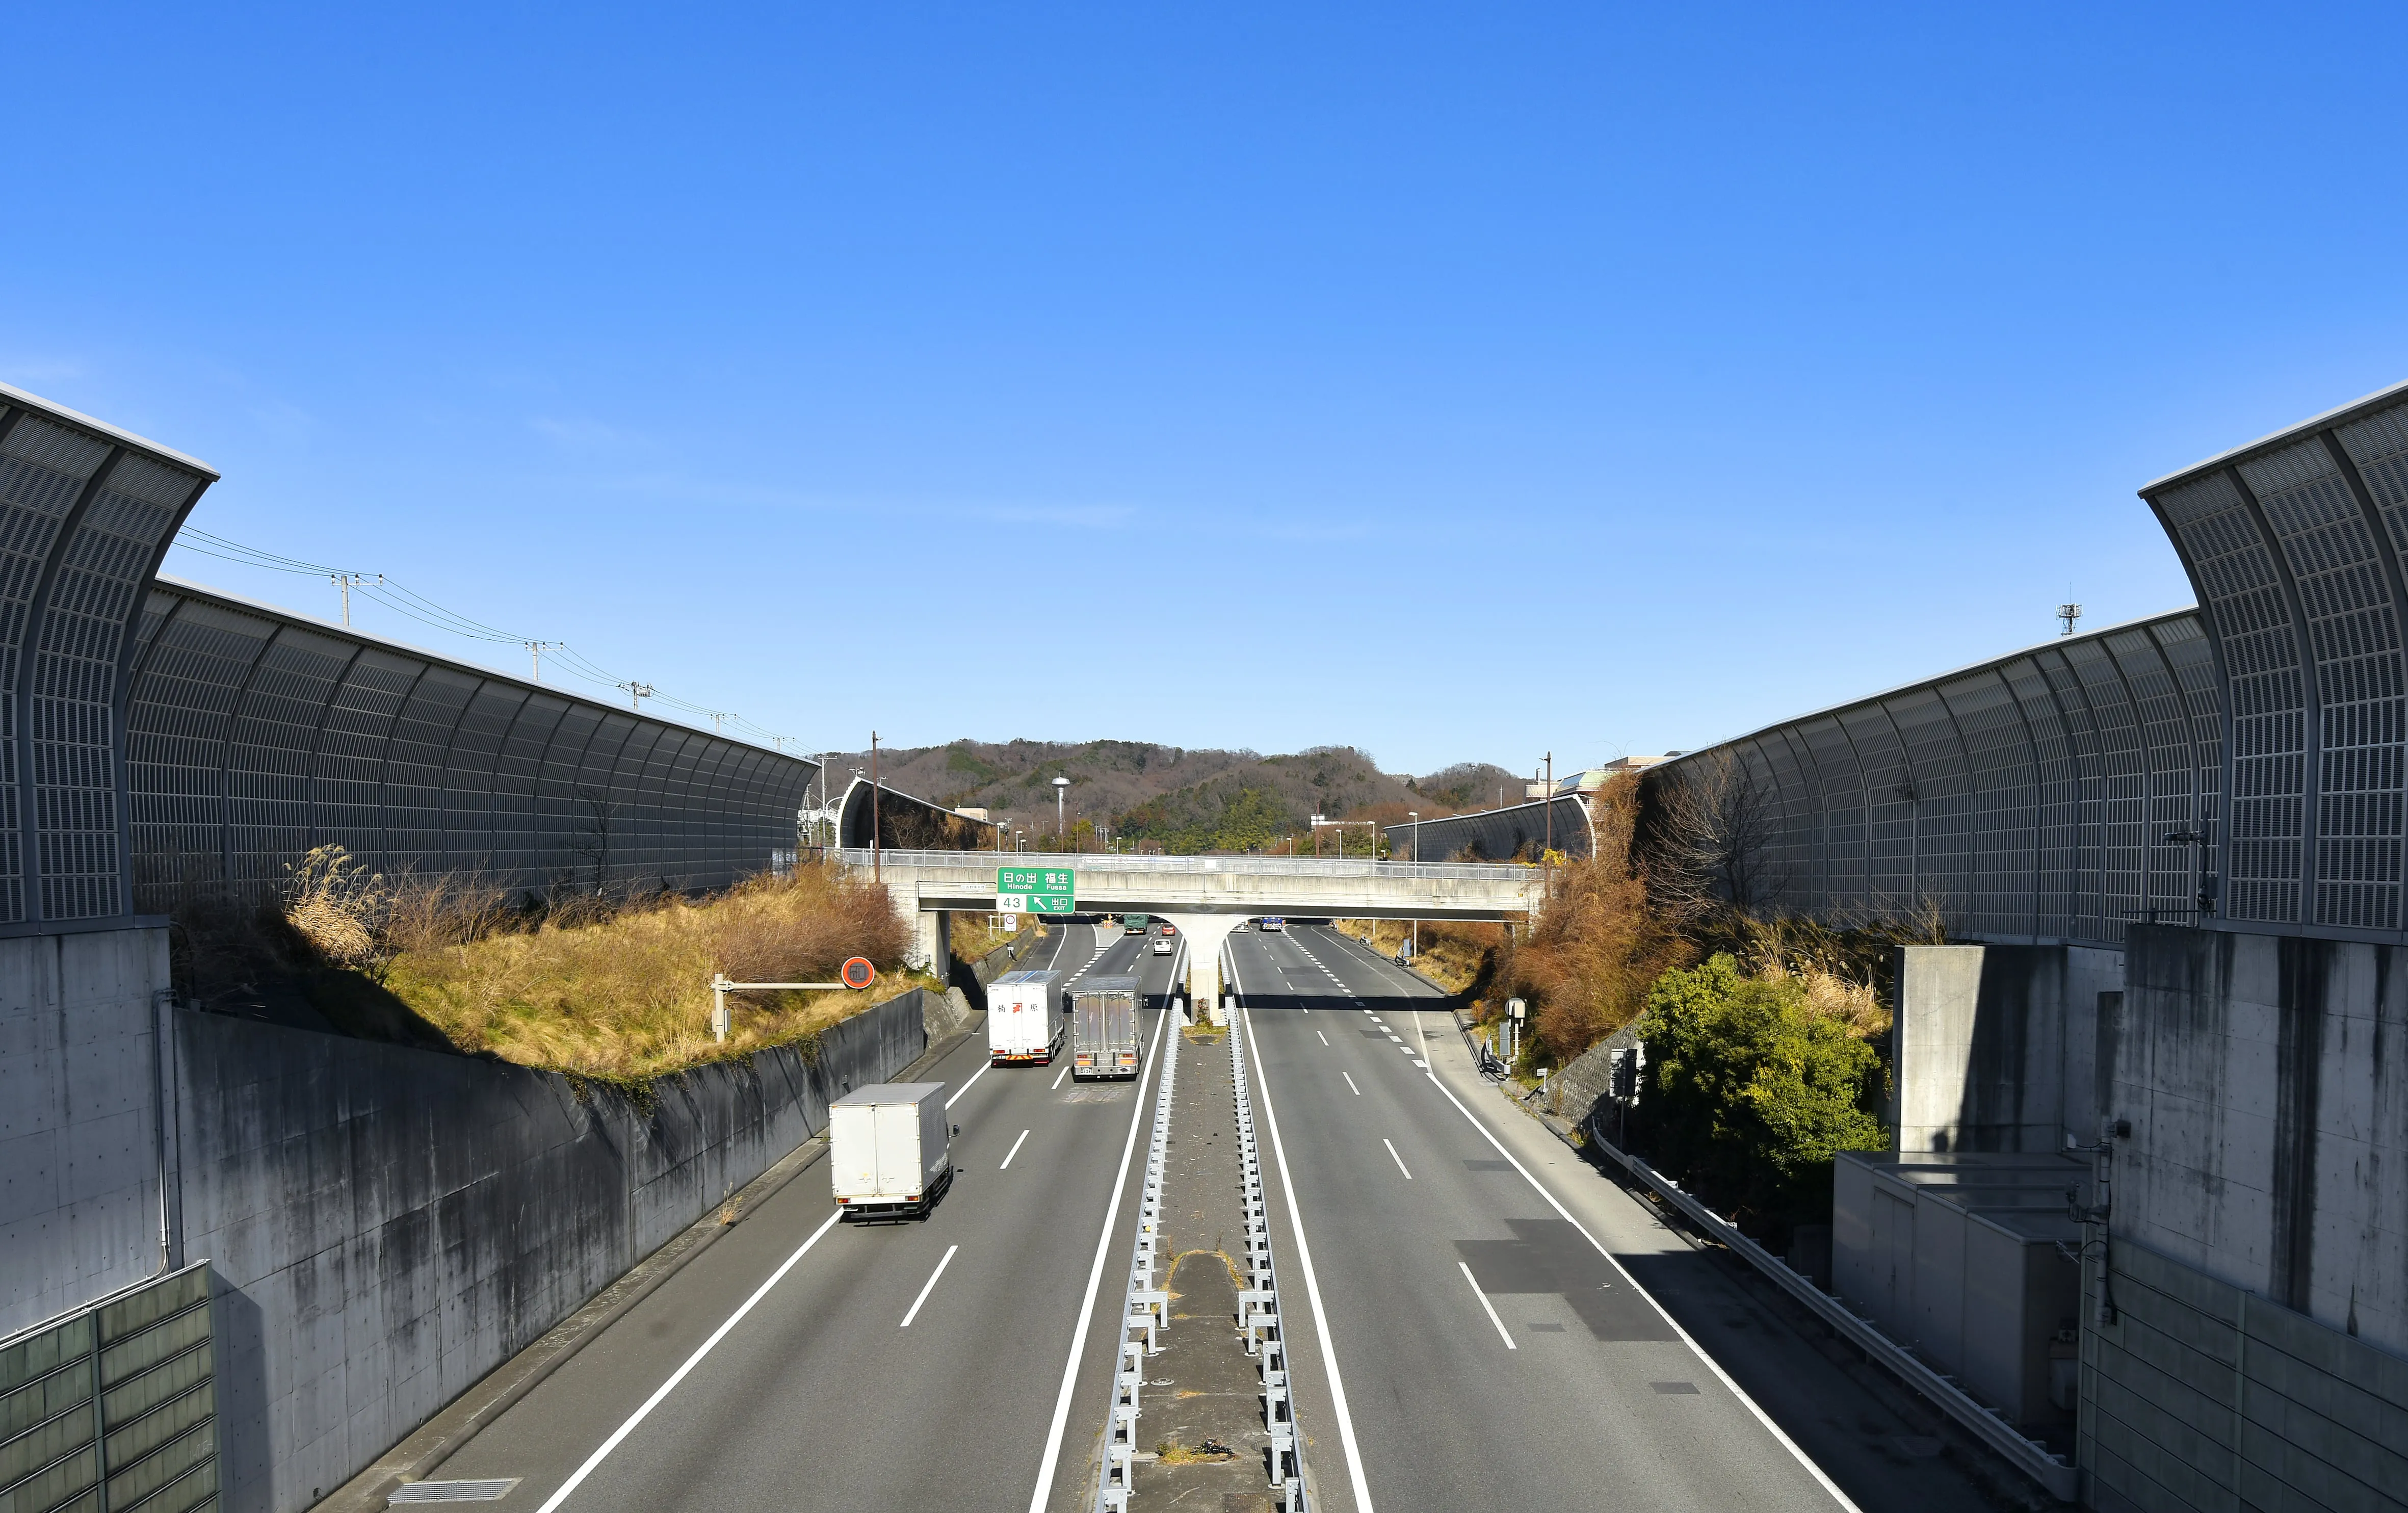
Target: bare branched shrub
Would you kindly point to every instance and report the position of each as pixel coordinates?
(1596, 947)
(1705, 840)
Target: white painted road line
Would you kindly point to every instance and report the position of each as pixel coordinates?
(966, 1086)
(1695, 1349)
(1393, 1156)
(1094, 1280)
(1312, 1282)
(578, 1477)
(1502, 1333)
(931, 1286)
(1059, 1075)
(1013, 1151)
(1349, 1084)
(1325, 1039)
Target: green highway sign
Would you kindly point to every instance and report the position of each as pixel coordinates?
(1035, 890)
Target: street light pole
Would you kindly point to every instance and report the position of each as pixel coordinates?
(1414, 816)
(1061, 841)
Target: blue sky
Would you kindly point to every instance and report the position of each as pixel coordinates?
(1456, 384)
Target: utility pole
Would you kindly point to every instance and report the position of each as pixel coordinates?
(1550, 801)
(534, 654)
(1414, 816)
(347, 581)
(875, 859)
(637, 692)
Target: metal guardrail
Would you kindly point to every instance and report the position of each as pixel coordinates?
(1105, 861)
(1146, 1308)
(1258, 1306)
(2060, 1479)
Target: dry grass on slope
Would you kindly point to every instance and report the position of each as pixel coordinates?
(628, 994)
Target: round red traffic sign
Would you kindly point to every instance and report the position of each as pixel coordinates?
(858, 972)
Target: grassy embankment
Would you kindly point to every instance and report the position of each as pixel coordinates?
(1764, 1033)
(602, 990)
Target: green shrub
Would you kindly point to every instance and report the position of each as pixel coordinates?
(1751, 1091)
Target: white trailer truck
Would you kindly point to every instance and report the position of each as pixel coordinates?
(890, 1150)
(1103, 1027)
(1023, 1017)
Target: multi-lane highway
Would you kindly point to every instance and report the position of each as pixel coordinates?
(913, 1365)
(1464, 1308)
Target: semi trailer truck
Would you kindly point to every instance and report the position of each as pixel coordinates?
(1103, 1028)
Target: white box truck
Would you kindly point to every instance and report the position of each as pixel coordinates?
(1023, 1016)
(1103, 1027)
(890, 1150)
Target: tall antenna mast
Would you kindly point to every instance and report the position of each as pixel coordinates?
(2066, 616)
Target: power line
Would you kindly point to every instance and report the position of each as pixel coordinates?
(417, 607)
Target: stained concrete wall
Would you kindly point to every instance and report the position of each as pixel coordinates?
(2267, 1086)
(1995, 1046)
(389, 1225)
(2257, 1243)
(79, 1132)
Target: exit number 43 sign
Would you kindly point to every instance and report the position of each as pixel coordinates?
(1035, 890)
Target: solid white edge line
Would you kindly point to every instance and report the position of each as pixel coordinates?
(578, 1477)
(931, 1286)
(1488, 1306)
(1013, 1151)
(1095, 1281)
(1695, 1349)
(966, 1086)
(1304, 1258)
(1350, 1086)
(1393, 1156)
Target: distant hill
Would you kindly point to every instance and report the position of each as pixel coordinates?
(1182, 799)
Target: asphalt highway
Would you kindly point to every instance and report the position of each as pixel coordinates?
(1475, 1316)
(1508, 1327)
(914, 1366)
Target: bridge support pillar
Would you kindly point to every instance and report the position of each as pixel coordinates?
(931, 944)
(1206, 935)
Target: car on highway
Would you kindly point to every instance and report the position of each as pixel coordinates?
(1275, 924)
(1164, 945)
(1169, 929)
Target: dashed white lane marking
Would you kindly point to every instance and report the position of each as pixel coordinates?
(931, 1286)
(1350, 1085)
(966, 1086)
(1393, 1156)
(1489, 1306)
(1059, 1075)
(1015, 1151)
(1325, 1039)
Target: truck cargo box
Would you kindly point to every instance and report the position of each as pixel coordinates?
(1023, 1016)
(1103, 1027)
(890, 1150)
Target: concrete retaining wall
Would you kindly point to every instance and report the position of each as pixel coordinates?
(2203, 1395)
(80, 1151)
(2257, 1232)
(1996, 1046)
(388, 1225)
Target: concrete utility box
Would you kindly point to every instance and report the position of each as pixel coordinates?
(1956, 1255)
(890, 1152)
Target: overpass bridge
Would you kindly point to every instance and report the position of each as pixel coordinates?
(1206, 897)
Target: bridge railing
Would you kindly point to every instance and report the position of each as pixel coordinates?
(1105, 861)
